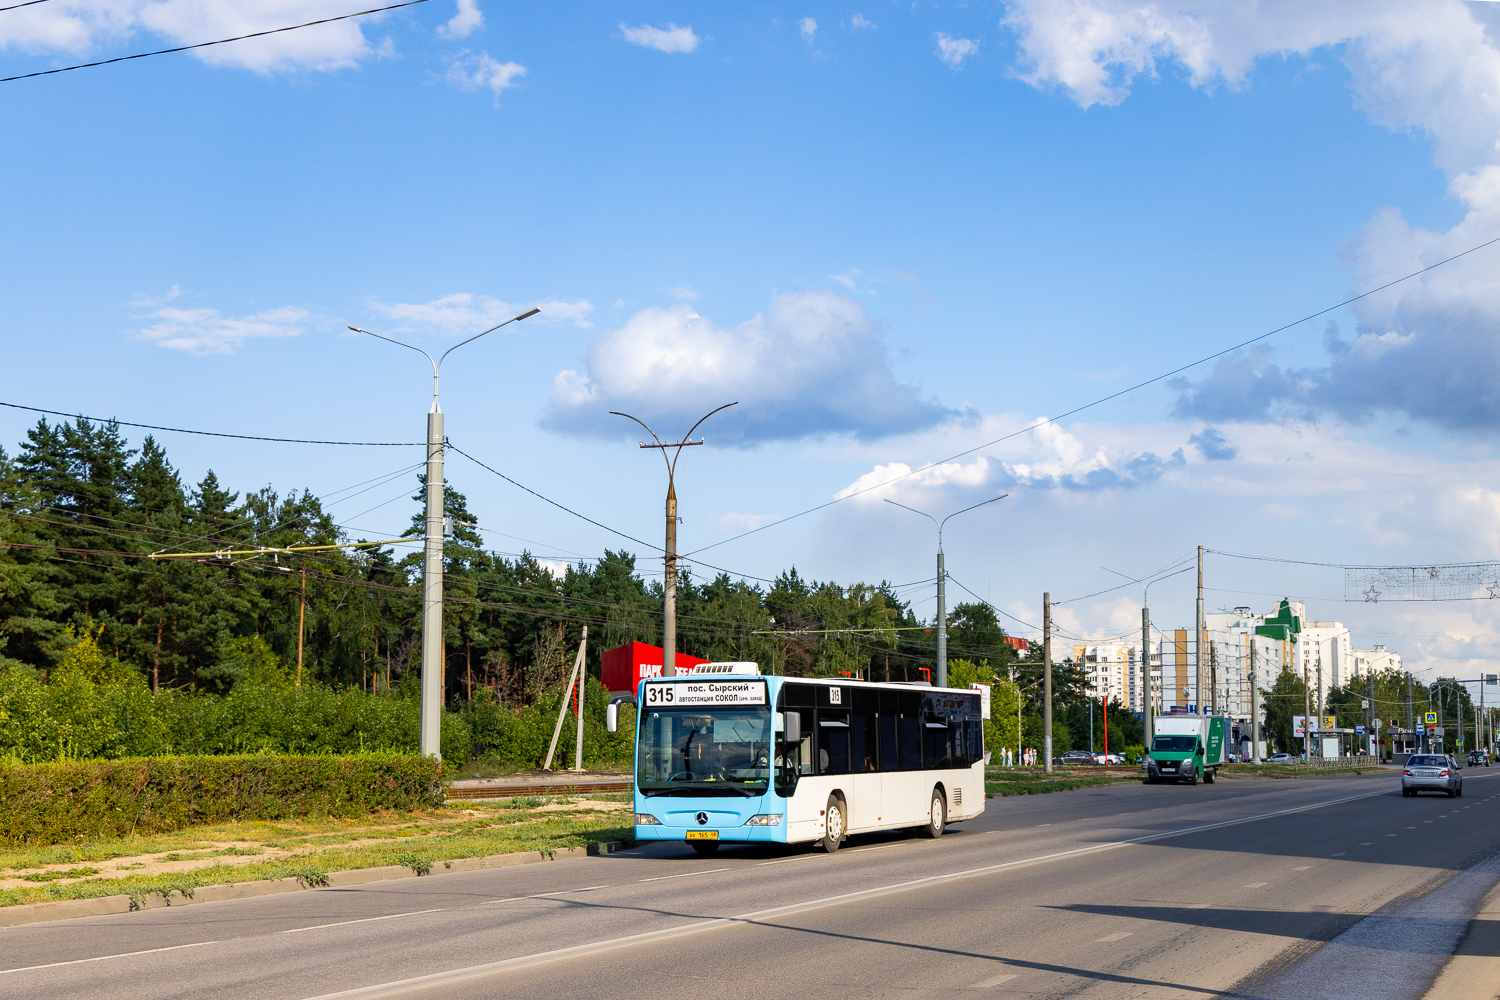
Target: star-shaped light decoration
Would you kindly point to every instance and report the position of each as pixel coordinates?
(1372, 595)
(1493, 588)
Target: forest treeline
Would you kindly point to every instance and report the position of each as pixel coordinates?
(335, 634)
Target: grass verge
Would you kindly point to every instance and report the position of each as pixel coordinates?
(311, 849)
(1011, 781)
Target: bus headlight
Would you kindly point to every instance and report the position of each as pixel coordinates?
(646, 819)
(764, 819)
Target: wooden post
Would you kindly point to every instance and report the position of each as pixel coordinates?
(562, 709)
(301, 618)
(583, 676)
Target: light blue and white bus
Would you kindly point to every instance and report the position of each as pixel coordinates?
(725, 754)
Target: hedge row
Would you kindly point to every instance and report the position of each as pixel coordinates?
(87, 800)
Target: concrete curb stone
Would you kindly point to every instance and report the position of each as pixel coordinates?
(70, 909)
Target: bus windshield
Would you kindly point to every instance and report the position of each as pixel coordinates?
(704, 751)
(1175, 744)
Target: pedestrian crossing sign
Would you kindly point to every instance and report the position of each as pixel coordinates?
(1432, 718)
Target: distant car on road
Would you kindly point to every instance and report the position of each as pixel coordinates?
(1281, 758)
(1479, 758)
(1074, 757)
(1108, 758)
(1431, 772)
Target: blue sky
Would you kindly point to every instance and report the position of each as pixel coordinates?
(891, 231)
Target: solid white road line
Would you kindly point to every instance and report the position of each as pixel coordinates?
(453, 976)
(542, 895)
(659, 878)
(1117, 936)
(362, 920)
(101, 958)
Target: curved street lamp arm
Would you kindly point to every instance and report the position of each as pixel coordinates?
(398, 343)
(913, 510)
(967, 509)
(705, 416)
(513, 319)
(617, 413)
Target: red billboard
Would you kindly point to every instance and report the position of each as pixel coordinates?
(624, 667)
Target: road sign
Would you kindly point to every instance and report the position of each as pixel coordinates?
(1491, 678)
(1431, 718)
(1439, 731)
(1377, 723)
(1359, 729)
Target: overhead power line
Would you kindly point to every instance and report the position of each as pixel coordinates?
(590, 520)
(204, 45)
(28, 3)
(217, 434)
(1104, 399)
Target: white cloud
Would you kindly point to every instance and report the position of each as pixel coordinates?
(669, 39)
(468, 20)
(954, 51)
(465, 312)
(1426, 348)
(471, 71)
(85, 27)
(808, 27)
(814, 363)
(860, 21)
(205, 331)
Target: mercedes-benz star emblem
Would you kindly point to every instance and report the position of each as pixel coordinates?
(703, 819)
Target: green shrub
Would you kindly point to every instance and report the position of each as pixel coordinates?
(61, 802)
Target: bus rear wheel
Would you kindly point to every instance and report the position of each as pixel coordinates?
(937, 818)
(833, 824)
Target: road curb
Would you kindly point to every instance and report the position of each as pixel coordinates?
(71, 909)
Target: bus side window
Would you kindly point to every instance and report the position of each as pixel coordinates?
(889, 758)
(910, 729)
(864, 733)
(833, 741)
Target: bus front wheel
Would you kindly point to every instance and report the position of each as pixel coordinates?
(833, 824)
(937, 818)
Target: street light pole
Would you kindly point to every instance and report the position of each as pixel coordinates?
(1148, 705)
(431, 739)
(942, 579)
(669, 578)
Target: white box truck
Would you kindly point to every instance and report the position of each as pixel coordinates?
(1186, 748)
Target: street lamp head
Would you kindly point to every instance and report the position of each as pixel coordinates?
(357, 329)
(526, 315)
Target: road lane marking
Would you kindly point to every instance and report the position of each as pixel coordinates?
(363, 920)
(1121, 935)
(1255, 885)
(103, 958)
(800, 857)
(1390, 835)
(1367, 843)
(658, 878)
(543, 895)
(882, 847)
(993, 981)
(1301, 868)
(757, 917)
(1340, 854)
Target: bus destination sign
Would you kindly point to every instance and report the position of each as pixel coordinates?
(693, 694)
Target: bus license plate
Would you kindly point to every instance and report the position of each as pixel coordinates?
(703, 835)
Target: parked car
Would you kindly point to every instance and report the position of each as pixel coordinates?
(1479, 758)
(1281, 758)
(1074, 757)
(1108, 758)
(1431, 772)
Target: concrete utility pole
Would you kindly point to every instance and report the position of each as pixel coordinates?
(1202, 641)
(1306, 717)
(1148, 704)
(1254, 708)
(942, 579)
(669, 580)
(432, 556)
(1047, 680)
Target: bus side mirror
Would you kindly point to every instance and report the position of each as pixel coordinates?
(793, 725)
(612, 712)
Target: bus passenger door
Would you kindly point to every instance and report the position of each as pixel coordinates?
(866, 798)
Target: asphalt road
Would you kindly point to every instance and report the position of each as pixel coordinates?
(1246, 887)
